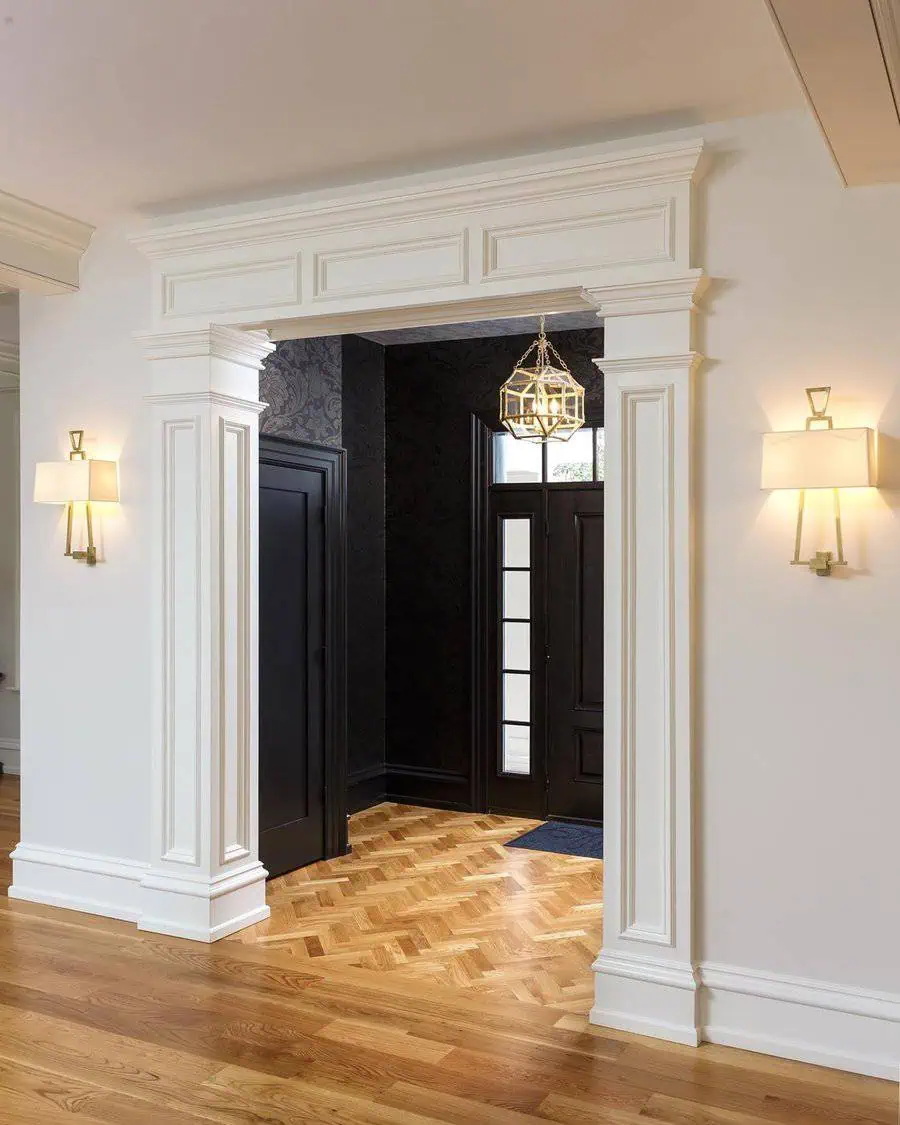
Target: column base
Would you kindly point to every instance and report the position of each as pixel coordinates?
(203, 909)
(647, 995)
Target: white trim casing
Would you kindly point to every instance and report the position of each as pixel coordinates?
(205, 880)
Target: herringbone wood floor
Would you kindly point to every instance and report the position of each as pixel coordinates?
(100, 1023)
(435, 896)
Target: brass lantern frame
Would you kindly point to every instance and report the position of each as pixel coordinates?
(544, 402)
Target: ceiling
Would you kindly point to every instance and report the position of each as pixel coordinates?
(112, 106)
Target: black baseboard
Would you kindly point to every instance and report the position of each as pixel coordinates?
(366, 788)
(432, 788)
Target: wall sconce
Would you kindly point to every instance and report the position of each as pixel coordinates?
(820, 457)
(76, 481)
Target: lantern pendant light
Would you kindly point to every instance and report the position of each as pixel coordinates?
(543, 402)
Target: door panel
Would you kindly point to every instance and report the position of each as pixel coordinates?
(291, 672)
(575, 649)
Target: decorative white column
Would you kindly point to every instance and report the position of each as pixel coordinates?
(646, 980)
(205, 880)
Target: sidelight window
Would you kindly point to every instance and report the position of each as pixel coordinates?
(515, 642)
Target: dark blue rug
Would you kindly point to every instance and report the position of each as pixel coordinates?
(585, 840)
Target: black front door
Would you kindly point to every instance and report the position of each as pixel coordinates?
(291, 668)
(545, 646)
(575, 654)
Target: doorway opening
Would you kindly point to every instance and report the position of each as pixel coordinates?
(434, 716)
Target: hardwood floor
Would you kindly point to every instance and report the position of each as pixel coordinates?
(101, 1023)
(436, 897)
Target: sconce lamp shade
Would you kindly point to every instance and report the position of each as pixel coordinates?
(820, 459)
(61, 482)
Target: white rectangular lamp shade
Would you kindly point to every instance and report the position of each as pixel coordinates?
(59, 482)
(820, 459)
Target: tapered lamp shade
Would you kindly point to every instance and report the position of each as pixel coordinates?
(820, 459)
(60, 482)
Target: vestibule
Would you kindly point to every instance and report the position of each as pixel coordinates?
(589, 229)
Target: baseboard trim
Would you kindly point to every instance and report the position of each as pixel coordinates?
(10, 755)
(646, 994)
(812, 1021)
(366, 788)
(77, 881)
(831, 1025)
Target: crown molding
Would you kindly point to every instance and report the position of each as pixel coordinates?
(887, 25)
(40, 250)
(9, 362)
(674, 294)
(249, 349)
(411, 199)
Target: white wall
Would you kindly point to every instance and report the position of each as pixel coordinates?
(9, 542)
(799, 718)
(85, 658)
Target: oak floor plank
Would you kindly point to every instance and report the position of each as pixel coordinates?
(433, 977)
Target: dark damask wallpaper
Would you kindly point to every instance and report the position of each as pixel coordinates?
(431, 388)
(301, 382)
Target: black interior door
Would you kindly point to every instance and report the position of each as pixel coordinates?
(292, 600)
(575, 654)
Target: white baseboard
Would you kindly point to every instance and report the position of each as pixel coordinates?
(188, 907)
(203, 909)
(796, 1018)
(647, 995)
(811, 1021)
(77, 881)
(10, 756)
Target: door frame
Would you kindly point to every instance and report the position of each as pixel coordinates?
(483, 733)
(331, 463)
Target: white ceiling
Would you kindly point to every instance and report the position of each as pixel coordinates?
(114, 105)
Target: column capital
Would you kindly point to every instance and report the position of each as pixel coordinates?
(215, 365)
(217, 341)
(672, 294)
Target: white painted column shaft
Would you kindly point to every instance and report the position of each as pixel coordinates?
(205, 880)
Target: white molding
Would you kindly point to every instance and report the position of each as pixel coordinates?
(40, 250)
(591, 253)
(9, 365)
(491, 306)
(217, 341)
(10, 754)
(887, 24)
(77, 881)
(589, 217)
(442, 274)
(812, 1021)
(638, 365)
(281, 274)
(675, 294)
(417, 198)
